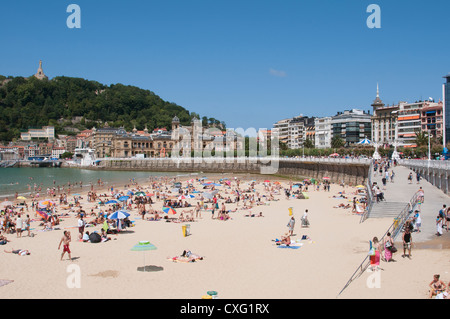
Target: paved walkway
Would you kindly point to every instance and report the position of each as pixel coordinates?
(402, 191)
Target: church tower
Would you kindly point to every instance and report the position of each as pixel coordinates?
(40, 72)
(377, 103)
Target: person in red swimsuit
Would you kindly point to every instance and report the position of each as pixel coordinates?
(65, 240)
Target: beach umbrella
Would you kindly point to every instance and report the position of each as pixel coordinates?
(130, 193)
(123, 198)
(120, 214)
(365, 141)
(143, 246)
(326, 177)
(45, 203)
(112, 201)
(42, 214)
(139, 194)
(359, 186)
(150, 194)
(210, 195)
(21, 197)
(334, 154)
(169, 210)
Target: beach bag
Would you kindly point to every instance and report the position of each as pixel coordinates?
(372, 252)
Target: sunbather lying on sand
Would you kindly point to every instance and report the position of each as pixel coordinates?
(186, 256)
(20, 252)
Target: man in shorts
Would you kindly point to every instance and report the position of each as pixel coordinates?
(407, 240)
(65, 240)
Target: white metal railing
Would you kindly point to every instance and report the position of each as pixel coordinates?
(425, 163)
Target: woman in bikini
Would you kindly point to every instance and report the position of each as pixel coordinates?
(437, 286)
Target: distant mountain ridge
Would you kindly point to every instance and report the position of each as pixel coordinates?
(32, 102)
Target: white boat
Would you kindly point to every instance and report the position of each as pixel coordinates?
(84, 157)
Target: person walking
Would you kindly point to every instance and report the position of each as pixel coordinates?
(407, 241)
(81, 225)
(389, 248)
(27, 225)
(19, 225)
(65, 240)
(291, 225)
(417, 221)
(439, 223)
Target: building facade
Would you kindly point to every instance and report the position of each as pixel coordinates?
(46, 132)
(351, 125)
(322, 137)
(446, 97)
(383, 121)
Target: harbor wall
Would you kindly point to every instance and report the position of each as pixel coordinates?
(350, 173)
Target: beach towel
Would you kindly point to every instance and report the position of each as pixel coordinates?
(4, 282)
(292, 246)
(181, 259)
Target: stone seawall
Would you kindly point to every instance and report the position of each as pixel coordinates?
(350, 173)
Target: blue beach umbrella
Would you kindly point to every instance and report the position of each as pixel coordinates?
(123, 198)
(120, 214)
(112, 201)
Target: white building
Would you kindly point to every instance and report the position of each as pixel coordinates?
(57, 151)
(296, 133)
(46, 132)
(280, 128)
(323, 132)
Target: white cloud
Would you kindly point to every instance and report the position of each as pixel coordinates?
(278, 73)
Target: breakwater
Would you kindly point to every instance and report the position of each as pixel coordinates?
(350, 171)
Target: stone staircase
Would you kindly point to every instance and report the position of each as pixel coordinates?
(386, 209)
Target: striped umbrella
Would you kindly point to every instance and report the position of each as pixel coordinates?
(120, 214)
(42, 214)
(143, 246)
(169, 210)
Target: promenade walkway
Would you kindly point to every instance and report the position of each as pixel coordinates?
(399, 193)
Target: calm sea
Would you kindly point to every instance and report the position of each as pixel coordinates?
(22, 180)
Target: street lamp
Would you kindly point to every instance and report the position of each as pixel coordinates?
(429, 145)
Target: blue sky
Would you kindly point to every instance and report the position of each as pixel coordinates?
(248, 63)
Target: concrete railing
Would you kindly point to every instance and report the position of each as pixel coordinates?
(435, 172)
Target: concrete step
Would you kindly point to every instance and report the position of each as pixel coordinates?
(387, 209)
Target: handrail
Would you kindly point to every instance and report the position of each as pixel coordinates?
(394, 229)
(369, 194)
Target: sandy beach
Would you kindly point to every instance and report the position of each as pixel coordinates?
(240, 257)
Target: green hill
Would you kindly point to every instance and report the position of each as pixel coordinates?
(29, 102)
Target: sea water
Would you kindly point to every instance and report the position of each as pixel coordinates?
(24, 180)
